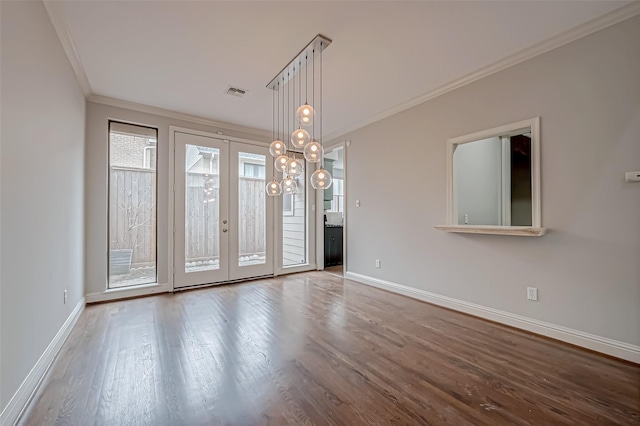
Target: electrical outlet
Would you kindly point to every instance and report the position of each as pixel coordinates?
(65, 297)
(532, 294)
(377, 263)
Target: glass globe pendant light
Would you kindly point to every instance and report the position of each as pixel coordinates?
(273, 188)
(294, 167)
(289, 185)
(313, 152)
(305, 114)
(277, 148)
(321, 179)
(300, 137)
(280, 163)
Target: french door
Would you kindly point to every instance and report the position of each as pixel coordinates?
(223, 218)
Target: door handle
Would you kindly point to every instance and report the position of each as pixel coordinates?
(224, 230)
(224, 221)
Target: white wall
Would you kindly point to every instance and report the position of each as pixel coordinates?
(587, 268)
(98, 116)
(477, 181)
(42, 186)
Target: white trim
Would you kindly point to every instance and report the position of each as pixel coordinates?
(505, 186)
(625, 12)
(593, 342)
(523, 231)
(16, 406)
(222, 137)
(105, 100)
(345, 204)
(171, 225)
(319, 214)
(66, 40)
(295, 269)
(127, 292)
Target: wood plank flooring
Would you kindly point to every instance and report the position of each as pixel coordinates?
(335, 270)
(314, 349)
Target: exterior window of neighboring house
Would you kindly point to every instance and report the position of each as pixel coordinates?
(132, 205)
(287, 204)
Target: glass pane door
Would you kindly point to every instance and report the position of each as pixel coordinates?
(251, 212)
(223, 218)
(201, 206)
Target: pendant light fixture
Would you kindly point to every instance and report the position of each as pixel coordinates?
(294, 167)
(277, 147)
(305, 112)
(321, 178)
(299, 140)
(281, 160)
(273, 187)
(289, 184)
(300, 137)
(313, 152)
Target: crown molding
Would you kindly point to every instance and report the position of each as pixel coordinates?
(105, 100)
(64, 35)
(621, 14)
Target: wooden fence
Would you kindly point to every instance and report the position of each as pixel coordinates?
(132, 218)
(132, 213)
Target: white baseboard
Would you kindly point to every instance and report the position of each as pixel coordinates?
(593, 342)
(29, 386)
(124, 293)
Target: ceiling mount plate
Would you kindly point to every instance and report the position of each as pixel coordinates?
(318, 43)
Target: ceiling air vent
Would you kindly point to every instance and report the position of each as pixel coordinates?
(235, 91)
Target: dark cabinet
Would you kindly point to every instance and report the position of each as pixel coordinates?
(332, 245)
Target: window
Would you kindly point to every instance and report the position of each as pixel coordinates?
(132, 205)
(287, 204)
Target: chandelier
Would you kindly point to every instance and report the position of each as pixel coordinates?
(298, 114)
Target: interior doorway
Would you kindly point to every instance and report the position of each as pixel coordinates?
(334, 212)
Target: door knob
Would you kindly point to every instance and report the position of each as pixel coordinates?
(224, 221)
(224, 230)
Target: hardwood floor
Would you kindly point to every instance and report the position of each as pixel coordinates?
(335, 270)
(308, 349)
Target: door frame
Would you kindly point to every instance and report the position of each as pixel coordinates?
(172, 188)
(320, 213)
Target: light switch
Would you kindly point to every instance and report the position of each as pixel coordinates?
(632, 176)
(357, 203)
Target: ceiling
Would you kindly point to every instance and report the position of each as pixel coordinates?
(181, 55)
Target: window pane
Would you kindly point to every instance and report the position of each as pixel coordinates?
(202, 209)
(252, 230)
(294, 224)
(132, 205)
